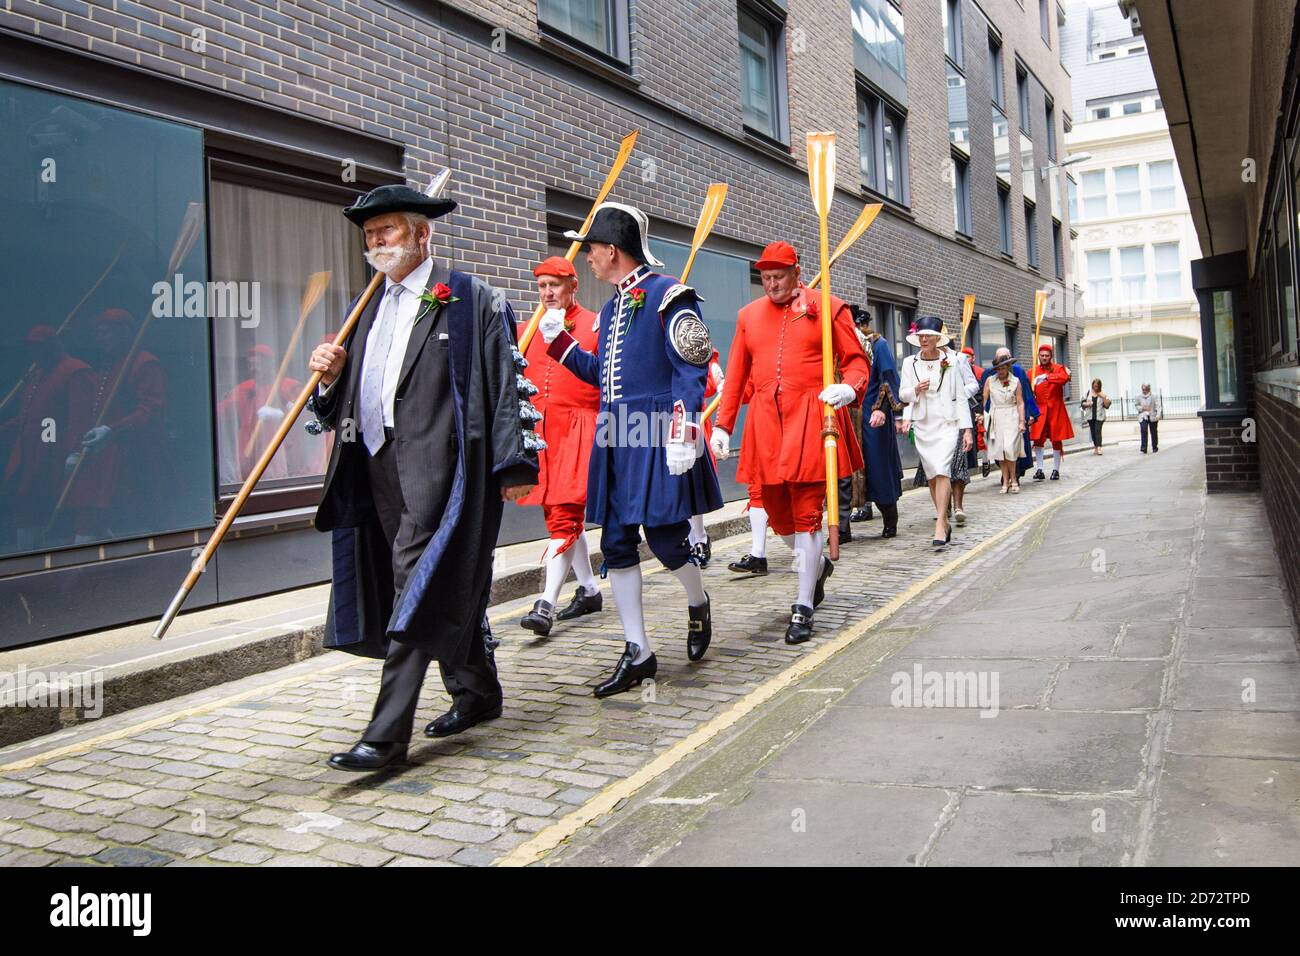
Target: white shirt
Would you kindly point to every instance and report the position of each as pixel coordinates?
(408, 308)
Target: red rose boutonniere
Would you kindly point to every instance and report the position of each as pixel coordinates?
(637, 298)
(440, 296)
(943, 370)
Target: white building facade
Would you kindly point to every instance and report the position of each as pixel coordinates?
(1135, 233)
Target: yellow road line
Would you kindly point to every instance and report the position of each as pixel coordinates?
(546, 840)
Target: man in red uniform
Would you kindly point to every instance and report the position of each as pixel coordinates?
(778, 344)
(251, 402)
(568, 426)
(1053, 422)
(50, 415)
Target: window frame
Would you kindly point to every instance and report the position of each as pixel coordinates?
(961, 195)
(774, 29)
(1022, 99)
(1049, 119)
(881, 107)
(1045, 22)
(619, 57)
(1177, 271)
(1126, 279)
(1005, 239)
(997, 73)
(1058, 248)
(1031, 235)
(952, 15)
(1135, 191)
(1172, 187)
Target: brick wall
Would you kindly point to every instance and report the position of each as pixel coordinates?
(514, 130)
(1231, 464)
(1278, 428)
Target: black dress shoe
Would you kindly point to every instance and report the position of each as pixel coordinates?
(582, 603)
(702, 553)
(862, 514)
(801, 624)
(749, 565)
(846, 535)
(819, 593)
(1056, 475)
(701, 630)
(365, 756)
(1038, 475)
(540, 619)
(457, 721)
(626, 674)
(984, 469)
(889, 533)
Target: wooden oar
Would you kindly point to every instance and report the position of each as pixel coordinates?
(709, 213)
(860, 225)
(64, 324)
(435, 188)
(967, 312)
(624, 151)
(1040, 306)
(191, 227)
(821, 181)
(316, 286)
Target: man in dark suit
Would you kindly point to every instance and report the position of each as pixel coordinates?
(432, 438)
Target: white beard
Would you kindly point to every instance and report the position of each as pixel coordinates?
(386, 259)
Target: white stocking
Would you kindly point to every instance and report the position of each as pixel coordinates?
(689, 575)
(758, 532)
(626, 585)
(557, 570)
(698, 535)
(1038, 457)
(1057, 456)
(582, 565)
(808, 546)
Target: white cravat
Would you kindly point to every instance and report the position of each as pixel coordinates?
(408, 307)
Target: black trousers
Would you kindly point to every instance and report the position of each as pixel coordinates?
(1145, 426)
(1094, 427)
(472, 684)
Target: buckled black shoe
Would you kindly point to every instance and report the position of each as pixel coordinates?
(889, 533)
(801, 624)
(846, 535)
(819, 593)
(862, 514)
(1056, 475)
(582, 603)
(749, 565)
(1038, 475)
(701, 630)
(457, 721)
(626, 674)
(540, 619)
(702, 553)
(364, 757)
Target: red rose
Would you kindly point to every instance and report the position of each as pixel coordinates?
(442, 292)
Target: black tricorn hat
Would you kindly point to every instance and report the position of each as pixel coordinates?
(623, 226)
(386, 199)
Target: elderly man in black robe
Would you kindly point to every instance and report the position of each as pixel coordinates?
(433, 434)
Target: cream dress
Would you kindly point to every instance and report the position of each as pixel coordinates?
(1002, 437)
(938, 416)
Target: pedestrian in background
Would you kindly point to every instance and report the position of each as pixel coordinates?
(1094, 407)
(1148, 407)
(1005, 396)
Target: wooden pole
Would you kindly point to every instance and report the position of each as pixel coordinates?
(821, 180)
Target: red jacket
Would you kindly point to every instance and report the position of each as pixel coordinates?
(778, 349)
(569, 406)
(1053, 422)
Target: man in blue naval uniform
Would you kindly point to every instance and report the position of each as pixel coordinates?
(649, 468)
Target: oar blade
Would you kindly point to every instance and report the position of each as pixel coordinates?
(315, 291)
(821, 170)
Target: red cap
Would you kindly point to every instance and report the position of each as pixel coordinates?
(555, 266)
(110, 316)
(968, 351)
(40, 333)
(1046, 348)
(777, 255)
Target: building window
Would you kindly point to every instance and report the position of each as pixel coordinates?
(1022, 98)
(1285, 286)
(761, 56)
(1169, 271)
(1045, 21)
(1133, 274)
(1060, 32)
(1160, 184)
(1031, 235)
(990, 333)
(1099, 279)
(1072, 197)
(1001, 146)
(251, 230)
(878, 29)
(1004, 220)
(882, 145)
(1127, 105)
(1094, 195)
(1109, 33)
(133, 356)
(1058, 250)
(1128, 192)
(1051, 131)
(961, 195)
(600, 25)
(958, 122)
(952, 30)
(997, 82)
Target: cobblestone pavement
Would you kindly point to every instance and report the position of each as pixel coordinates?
(236, 774)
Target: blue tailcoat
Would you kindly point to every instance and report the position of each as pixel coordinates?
(640, 375)
(884, 466)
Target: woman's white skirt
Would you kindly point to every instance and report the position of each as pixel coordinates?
(935, 441)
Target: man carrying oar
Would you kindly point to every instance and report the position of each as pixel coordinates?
(425, 398)
(778, 346)
(647, 467)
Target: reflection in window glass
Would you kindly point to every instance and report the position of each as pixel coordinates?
(758, 74)
(878, 28)
(275, 241)
(867, 106)
(1285, 286)
(587, 21)
(1225, 346)
(1001, 146)
(105, 424)
(958, 123)
(893, 160)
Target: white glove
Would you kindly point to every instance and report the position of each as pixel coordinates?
(680, 456)
(268, 414)
(552, 324)
(837, 396)
(716, 371)
(721, 443)
(1039, 380)
(96, 438)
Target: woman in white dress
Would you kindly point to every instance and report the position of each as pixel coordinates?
(937, 411)
(1006, 423)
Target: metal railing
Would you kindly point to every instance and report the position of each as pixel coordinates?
(1171, 406)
